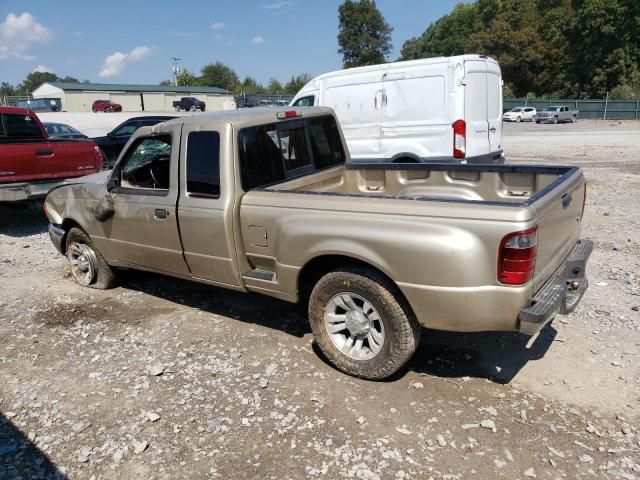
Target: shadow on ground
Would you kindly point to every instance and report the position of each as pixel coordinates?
(20, 458)
(249, 308)
(497, 356)
(22, 220)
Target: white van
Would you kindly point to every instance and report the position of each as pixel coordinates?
(437, 109)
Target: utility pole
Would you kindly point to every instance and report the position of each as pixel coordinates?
(175, 69)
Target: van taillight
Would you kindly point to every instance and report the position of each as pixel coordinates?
(517, 257)
(459, 139)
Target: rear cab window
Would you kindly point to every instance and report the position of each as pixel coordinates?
(203, 164)
(280, 151)
(18, 127)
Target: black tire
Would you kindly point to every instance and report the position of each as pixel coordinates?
(105, 276)
(94, 109)
(555, 120)
(177, 108)
(518, 119)
(402, 331)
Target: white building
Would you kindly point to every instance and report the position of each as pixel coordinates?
(78, 97)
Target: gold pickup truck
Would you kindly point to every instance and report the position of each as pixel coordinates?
(268, 201)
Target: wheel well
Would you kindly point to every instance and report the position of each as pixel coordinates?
(320, 266)
(406, 158)
(68, 224)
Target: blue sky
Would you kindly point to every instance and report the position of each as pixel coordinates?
(131, 42)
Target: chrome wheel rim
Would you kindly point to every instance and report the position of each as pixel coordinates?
(84, 264)
(354, 326)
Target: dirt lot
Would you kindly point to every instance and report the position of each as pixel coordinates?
(166, 379)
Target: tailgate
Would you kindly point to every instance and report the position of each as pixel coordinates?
(559, 214)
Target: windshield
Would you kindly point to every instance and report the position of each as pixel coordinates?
(551, 109)
(517, 109)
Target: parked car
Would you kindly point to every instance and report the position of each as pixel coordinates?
(280, 103)
(62, 130)
(105, 106)
(429, 110)
(114, 141)
(520, 114)
(31, 162)
(189, 104)
(374, 250)
(557, 114)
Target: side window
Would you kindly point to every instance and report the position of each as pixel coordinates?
(147, 164)
(19, 126)
(326, 143)
(203, 164)
(127, 129)
(305, 101)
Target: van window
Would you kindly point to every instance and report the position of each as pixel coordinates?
(273, 153)
(203, 164)
(305, 101)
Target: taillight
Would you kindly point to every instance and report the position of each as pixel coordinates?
(517, 257)
(97, 153)
(584, 200)
(288, 114)
(459, 139)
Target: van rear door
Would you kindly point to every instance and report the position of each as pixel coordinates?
(494, 106)
(476, 109)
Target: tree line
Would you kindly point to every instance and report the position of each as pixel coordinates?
(33, 81)
(553, 48)
(222, 76)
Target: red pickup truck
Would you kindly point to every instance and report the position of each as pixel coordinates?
(31, 163)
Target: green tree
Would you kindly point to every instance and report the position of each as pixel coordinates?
(165, 83)
(294, 85)
(364, 36)
(274, 86)
(250, 85)
(68, 79)
(447, 36)
(7, 90)
(218, 75)
(35, 79)
(186, 78)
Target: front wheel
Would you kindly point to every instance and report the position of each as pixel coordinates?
(555, 120)
(518, 119)
(178, 109)
(361, 323)
(88, 268)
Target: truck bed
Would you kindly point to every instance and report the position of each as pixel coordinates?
(473, 206)
(508, 185)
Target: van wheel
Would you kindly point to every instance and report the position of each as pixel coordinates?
(88, 268)
(361, 323)
(405, 160)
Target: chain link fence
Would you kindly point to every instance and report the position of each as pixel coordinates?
(590, 109)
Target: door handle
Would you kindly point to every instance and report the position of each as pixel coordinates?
(492, 129)
(160, 214)
(44, 152)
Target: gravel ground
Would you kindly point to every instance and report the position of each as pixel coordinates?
(166, 379)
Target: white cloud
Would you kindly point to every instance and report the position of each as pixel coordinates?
(79, 33)
(42, 69)
(217, 25)
(276, 5)
(18, 33)
(258, 40)
(115, 63)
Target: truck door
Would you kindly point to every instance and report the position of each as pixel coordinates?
(476, 109)
(357, 102)
(206, 205)
(26, 155)
(144, 228)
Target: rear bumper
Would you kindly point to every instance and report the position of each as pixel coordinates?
(562, 292)
(20, 192)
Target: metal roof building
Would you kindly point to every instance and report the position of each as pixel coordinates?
(78, 97)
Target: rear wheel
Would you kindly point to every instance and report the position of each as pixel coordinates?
(361, 323)
(573, 119)
(88, 268)
(533, 119)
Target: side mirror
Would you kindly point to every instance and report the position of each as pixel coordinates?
(105, 208)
